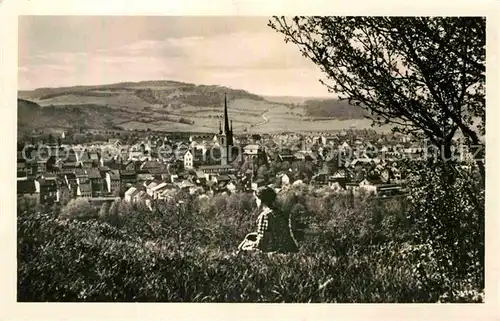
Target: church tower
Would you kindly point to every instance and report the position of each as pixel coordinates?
(226, 136)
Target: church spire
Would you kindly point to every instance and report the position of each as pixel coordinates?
(226, 118)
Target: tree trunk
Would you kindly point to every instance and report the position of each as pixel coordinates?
(448, 162)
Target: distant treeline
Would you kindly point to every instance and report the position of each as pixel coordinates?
(332, 108)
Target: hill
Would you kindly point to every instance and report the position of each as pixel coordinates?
(320, 107)
(31, 115)
(176, 106)
(289, 100)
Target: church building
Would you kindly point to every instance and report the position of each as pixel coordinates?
(226, 137)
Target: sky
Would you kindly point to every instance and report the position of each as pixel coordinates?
(238, 52)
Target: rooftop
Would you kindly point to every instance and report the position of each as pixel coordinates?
(215, 167)
(93, 173)
(26, 186)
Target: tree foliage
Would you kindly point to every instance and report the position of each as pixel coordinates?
(79, 208)
(449, 224)
(424, 75)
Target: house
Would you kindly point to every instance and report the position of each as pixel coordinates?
(386, 175)
(158, 173)
(157, 190)
(71, 182)
(99, 201)
(231, 187)
(182, 148)
(81, 176)
(65, 194)
(213, 155)
(113, 181)
(139, 196)
(47, 187)
(339, 178)
(201, 177)
(251, 149)
(173, 178)
(223, 179)
(185, 185)
(369, 186)
(26, 187)
(352, 187)
(360, 163)
(340, 174)
(331, 140)
(22, 172)
(68, 165)
(151, 166)
(374, 186)
(41, 166)
(285, 155)
(384, 149)
(150, 185)
(389, 189)
(320, 178)
(300, 156)
(215, 169)
(95, 158)
(129, 194)
(31, 167)
(104, 169)
(199, 155)
(115, 142)
(166, 192)
(188, 159)
(128, 175)
(86, 161)
(135, 154)
(84, 190)
(22, 168)
(285, 180)
(405, 139)
(345, 147)
(142, 178)
(96, 181)
(129, 166)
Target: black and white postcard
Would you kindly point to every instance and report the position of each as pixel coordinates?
(272, 156)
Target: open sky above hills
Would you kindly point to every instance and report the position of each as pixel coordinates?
(238, 52)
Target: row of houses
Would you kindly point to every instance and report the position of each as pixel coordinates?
(105, 182)
(86, 174)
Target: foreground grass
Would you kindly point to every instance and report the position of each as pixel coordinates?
(352, 251)
(92, 261)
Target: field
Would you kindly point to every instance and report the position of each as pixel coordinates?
(352, 249)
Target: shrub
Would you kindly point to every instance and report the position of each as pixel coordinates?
(449, 224)
(79, 208)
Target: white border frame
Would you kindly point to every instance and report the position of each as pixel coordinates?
(10, 310)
